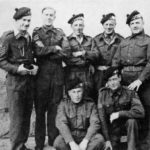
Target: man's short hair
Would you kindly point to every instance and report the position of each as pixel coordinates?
(48, 8)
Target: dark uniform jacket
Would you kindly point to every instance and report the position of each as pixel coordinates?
(15, 50)
(106, 50)
(45, 40)
(85, 45)
(134, 55)
(77, 120)
(124, 101)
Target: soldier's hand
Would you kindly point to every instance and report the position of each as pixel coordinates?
(108, 145)
(135, 85)
(74, 146)
(22, 70)
(114, 116)
(79, 53)
(34, 70)
(83, 144)
(58, 48)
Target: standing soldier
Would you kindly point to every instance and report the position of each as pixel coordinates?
(133, 55)
(51, 47)
(16, 57)
(107, 44)
(79, 64)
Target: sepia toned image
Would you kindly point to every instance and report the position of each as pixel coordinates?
(74, 75)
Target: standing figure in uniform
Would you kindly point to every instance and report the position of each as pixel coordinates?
(80, 62)
(119, 110)
(77, 121)
(106, 43)
(16, 57)
(133, 55)
(51, 48)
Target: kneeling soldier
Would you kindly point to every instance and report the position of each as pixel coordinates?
(77, 121)
(119, 108)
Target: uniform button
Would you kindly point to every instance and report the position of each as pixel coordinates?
(128, 60)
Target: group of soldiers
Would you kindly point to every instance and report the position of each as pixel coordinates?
(90, 90)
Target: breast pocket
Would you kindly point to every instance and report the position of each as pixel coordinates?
(124, 50)
(140, 50)
(109, 108)
(102, 48)
(72, 121)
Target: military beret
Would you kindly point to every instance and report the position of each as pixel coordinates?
(107, 17)
(111, 72)
(133, 16)
(21, 12)
(73, 84)
(75, 17)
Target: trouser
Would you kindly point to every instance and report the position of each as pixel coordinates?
(144, 94)
(48, 95)
(131, 127)
(84, 75)
(98, 81)
(20, 97)
(95, 143)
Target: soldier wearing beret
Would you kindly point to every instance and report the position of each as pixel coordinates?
(133, 55)
(16, 57)
(80, 62)
(106, 43)
(77, 121)
(51, 48)
(119, 110)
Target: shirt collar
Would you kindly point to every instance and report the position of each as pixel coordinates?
(117, 92)
(48, 28)
(114, 37)
(21, 34)
(83, 37)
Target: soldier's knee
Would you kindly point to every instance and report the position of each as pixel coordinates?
(59, 142)
(99, 138)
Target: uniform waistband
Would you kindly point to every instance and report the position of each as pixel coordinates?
(133, 68)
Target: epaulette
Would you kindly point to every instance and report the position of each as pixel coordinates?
(36, 29)
(99, 35)
(119, 35)
(103, 89)
(7, 34)
(147, 35)
(60, 31)
(88, 37)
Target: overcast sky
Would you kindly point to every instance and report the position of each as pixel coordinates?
(92, 9)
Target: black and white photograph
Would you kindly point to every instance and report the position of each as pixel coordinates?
(74, 75)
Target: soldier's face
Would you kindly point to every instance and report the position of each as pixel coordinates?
(48, 16)
(76, 95)
(78, 27)
(23, 23)
(137, 26)
(109, 26)
(114, 82)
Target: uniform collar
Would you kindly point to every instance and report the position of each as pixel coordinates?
(83, 37)
(48, 28)
(117, 92)
(138, 36)
(114, 37)
(21, 34)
